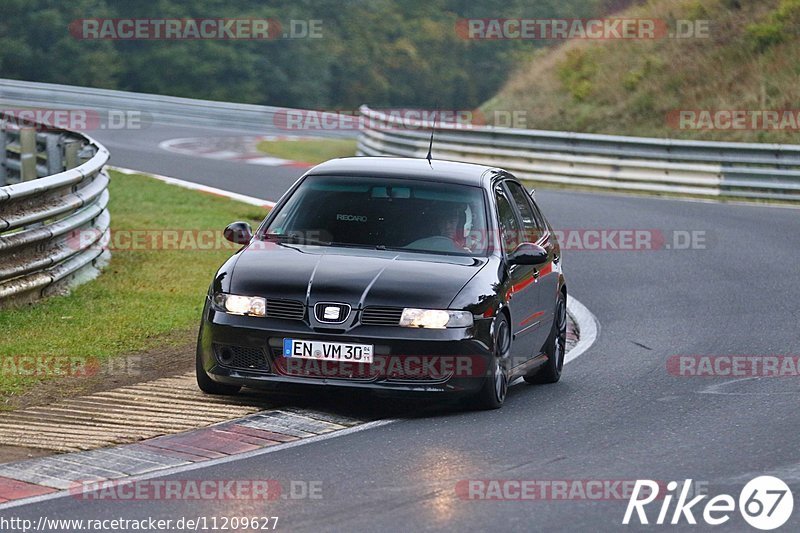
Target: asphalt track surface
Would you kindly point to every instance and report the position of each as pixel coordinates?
(617, 414)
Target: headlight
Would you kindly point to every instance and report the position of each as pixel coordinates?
(435, 318)
(241, 305)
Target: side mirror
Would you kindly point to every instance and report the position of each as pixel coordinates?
(528, 254)
(239, 232)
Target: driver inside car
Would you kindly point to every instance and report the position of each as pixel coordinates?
(447, 228)
(451, 224)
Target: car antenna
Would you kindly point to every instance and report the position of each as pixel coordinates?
(430, 144)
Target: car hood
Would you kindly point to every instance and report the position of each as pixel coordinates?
(354, 276)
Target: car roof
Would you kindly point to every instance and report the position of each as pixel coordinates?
(406, 167)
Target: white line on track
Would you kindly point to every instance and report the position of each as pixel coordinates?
(202, 188)
(588, 328)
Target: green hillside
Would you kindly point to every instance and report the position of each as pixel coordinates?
(749, 62)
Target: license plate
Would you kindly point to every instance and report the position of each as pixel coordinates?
(327, 351)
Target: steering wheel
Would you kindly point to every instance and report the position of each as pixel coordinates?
(437, 243)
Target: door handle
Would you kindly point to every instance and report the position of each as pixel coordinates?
(535, 275)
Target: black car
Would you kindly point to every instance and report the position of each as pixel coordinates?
(391, 274)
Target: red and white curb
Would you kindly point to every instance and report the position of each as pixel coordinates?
(243, 149)
(45, 478)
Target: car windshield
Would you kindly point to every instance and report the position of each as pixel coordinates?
(384, 213)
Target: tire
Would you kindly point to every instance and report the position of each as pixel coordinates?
(206, 384)
(555, 348)
(495, 386)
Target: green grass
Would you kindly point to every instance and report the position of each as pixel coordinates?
(309, 150)
(142, 295)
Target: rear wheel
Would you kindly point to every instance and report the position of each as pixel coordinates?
(555, 348)
(495, 387)
(206, 384)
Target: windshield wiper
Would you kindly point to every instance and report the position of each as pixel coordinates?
(357, 245)
(293, 238)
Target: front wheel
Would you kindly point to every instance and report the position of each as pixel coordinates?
(495, 387)
(555, 347)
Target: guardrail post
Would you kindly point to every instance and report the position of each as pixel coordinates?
(27, 154)
(71, 150)
(3, 145)
(55, 162)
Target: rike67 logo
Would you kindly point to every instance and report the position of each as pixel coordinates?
(765, 503)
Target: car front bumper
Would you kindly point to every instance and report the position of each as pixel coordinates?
(247, 351)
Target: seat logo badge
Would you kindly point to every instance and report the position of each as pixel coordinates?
(331, 312)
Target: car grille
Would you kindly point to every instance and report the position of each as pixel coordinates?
(244, 357)
(285, 309)
(381, 316)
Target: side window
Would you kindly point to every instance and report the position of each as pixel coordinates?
(532, 224)
(539, 216)
(509, 226)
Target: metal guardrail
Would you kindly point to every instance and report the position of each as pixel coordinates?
(741, 170)
(713, 169)
(156, 108)
(53, 199)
